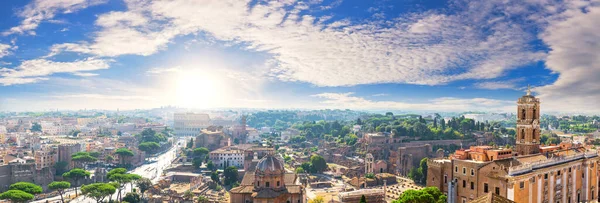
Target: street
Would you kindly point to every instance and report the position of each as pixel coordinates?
(152, 171)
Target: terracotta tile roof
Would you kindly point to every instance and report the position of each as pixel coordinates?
(268, 193)
(531, 159)
(242, 189)
(248, 179)
(294, 189)
(290, 178)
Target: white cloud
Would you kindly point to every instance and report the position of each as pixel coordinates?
(31, 71)
(4, 50)
(41, 10)
(573, 38)
(156, 71)
(6, 81)
(444, 104)
(494, 85)
(429, 48)
(85, 74)
(380, 95)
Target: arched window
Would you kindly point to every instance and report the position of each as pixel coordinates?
(522, 133)
(258, 183)
(534, 114)
(277, 183)
(523, 114)
(267, 184)
(533, 134)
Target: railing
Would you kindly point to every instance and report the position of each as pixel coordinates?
(515, 170)
(591, 154)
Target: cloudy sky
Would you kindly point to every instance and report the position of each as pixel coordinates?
(411, 55)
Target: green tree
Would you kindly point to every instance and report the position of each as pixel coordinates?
(188, 195)
(16, 196)
(61, 167)
(76, 174)
(202, 199)
(124, 152)
(60, 187)
(428, 194)
(149, 147)
(201, 151)
(116, 171)
(83, 158)
(26, 187)
(299, 170)
(144, 184)
(132, 197)
(149, 135)
(231, 175)
(95, 154)
(36, 127)
(423, 170)
(190, 144)
(211, 166)
(363, 199)
(98, 191)
(318, 163)
(109, 158)
(214, 176)
(121, 176)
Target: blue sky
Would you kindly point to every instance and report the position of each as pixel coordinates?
(408, 55)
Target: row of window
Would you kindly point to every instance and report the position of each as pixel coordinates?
(558, 173)
(464, 171)
(266, 184)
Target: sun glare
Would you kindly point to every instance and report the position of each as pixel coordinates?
(197, 90)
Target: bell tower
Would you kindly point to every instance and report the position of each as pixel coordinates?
(528, 124)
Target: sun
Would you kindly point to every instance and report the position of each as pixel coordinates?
(197, 90)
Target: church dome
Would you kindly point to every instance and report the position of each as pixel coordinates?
(270, 165)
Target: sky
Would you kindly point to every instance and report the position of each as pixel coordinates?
(409, 55)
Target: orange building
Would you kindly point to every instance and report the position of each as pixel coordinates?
(530, 174)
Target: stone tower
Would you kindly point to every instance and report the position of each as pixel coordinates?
(369, 160)
(528, 124)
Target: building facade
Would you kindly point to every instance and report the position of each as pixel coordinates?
(269, 183)
(227, 156)
(564, 174)
(190, 124)
(528, 125)
(44, 159)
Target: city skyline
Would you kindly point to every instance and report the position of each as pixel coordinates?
(446, 56)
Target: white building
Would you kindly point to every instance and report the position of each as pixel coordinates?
(3, 129)
(253, 135)
(190, 124)
(227, 156)
(356, 128)
(265, 130)
(57, 129)
(289, 133)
